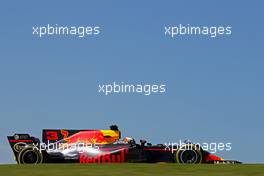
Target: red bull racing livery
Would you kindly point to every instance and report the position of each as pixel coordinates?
(102, 146)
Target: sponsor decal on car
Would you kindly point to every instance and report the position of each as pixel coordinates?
(118, 157)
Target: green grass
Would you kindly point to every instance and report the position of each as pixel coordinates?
(131, 170)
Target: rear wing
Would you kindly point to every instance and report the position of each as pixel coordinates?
(19, 141)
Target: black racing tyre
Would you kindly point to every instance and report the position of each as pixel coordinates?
(30, 155)
(189, 154)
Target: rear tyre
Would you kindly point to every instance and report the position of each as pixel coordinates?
(189, 154)
(30, 155)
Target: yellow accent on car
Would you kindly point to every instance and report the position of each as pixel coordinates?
(111, 136)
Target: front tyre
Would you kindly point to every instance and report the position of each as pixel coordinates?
(189, 154)
(30, 155)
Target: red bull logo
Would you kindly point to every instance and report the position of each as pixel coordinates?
(105, 158)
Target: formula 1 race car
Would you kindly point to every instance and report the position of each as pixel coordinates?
(102, 146)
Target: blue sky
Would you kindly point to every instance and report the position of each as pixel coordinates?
(214, 86)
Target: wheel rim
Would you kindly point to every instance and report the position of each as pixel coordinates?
(30, 157)
(189, 156)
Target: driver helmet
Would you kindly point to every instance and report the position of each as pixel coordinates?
(128, 139)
